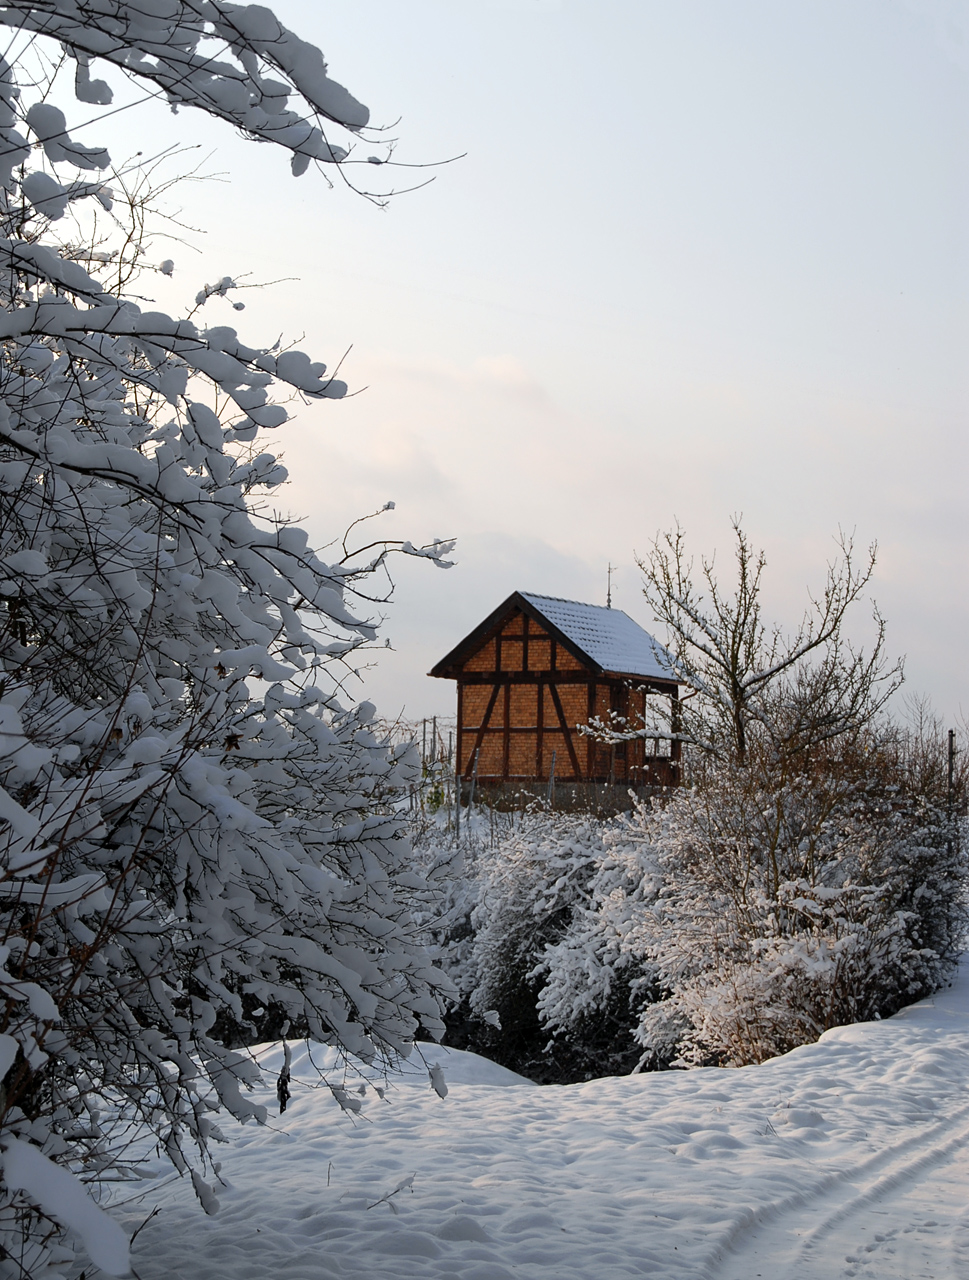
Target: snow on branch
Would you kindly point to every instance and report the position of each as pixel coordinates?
(236, 62)
(199, 835)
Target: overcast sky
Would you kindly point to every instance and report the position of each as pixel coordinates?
(701, 258)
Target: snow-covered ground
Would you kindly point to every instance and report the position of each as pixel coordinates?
(849, 1157)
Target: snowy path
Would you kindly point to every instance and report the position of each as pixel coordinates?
(902, 1215)
(844, 1158)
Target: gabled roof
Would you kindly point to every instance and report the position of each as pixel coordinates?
(610, 637)
(606, 640)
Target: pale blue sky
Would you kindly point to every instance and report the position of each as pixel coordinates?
(702, 257)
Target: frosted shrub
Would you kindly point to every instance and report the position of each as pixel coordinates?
(448, 869)
(517, 936)
(748, 914)
(197, 835)
(590, 980)
(731, 922)
(790, 905)
(528, 891)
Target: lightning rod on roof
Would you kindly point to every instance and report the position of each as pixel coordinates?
(610, 570)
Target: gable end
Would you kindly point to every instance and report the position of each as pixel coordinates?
(453, 664)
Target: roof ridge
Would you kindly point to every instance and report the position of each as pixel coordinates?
(533, 595)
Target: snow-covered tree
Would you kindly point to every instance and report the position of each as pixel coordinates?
(197, 835)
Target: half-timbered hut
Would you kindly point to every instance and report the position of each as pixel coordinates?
(534, 671)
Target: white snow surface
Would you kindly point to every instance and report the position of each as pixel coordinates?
(846, 1158)
(610, 637)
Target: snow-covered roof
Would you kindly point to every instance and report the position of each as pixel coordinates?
(610, 637)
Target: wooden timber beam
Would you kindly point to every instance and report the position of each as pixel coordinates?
(558, 677)
(484, 725)
(566, 730)
(506, 739)
(591, 746)
(513, 728)
(540, 735)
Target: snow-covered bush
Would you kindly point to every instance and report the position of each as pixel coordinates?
(448, 867)
(588, 975)
(528, 891)
(742, 916)
(507, 928)
(791, 904)
(722, 924)
(197, 837)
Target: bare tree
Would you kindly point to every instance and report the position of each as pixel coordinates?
(750, 682)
